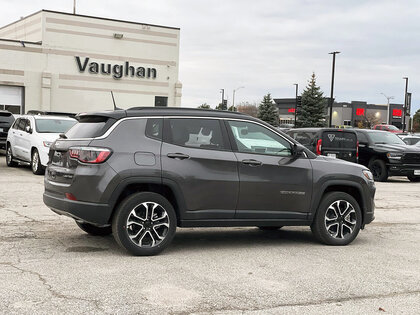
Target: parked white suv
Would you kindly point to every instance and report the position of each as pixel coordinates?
(30, 137)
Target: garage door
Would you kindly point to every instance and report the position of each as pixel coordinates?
(11, 98)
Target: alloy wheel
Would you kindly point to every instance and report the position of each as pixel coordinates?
(147, 224)
(340, 219)
(35, 160)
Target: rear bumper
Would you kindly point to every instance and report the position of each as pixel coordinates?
(94, 213)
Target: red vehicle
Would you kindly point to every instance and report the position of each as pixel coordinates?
(390, 128)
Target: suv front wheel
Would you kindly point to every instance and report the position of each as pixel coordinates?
(144, 224)
(379, 170)
(338, 219)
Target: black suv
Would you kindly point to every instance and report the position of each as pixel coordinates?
(140, 173)
(333, 142)
(6, 121)
(387, 155)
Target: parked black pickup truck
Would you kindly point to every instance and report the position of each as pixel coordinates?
(387, 155)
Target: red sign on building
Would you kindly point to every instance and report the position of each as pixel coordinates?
(291, 110)
(397, 112)
(360, 111)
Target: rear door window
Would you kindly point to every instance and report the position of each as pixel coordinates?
(339, 140)
(196, 133)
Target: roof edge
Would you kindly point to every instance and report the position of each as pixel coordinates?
(92, 17)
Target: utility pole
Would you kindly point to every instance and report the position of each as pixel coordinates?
(388, 121)
(405, 102)
(332, 84)
(74, 6)
(297, 88)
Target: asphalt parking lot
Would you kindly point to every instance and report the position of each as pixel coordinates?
(48, 265)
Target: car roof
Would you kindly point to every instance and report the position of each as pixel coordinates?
(167, 111)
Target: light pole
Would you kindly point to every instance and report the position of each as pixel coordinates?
(332, 84)
(233, 99)
(223, 97)
(74, 6)
(297, 88)
(388, 98)
(405, 102)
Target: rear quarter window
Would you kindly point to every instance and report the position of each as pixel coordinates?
(339, 139)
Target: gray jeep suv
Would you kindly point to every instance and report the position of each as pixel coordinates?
(142, 172)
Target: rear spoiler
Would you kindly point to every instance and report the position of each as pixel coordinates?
(101, 116)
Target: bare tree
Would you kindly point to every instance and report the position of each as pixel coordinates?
(248, 108)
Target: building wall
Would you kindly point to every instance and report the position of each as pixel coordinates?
(51, 75)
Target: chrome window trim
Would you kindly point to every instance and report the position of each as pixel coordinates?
(109, 131)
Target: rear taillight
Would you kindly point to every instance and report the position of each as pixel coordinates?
(319, 147)
(357, 149)
(90, 155)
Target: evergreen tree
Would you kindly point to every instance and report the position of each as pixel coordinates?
(312, 111)
(267, 111)
(204, 106)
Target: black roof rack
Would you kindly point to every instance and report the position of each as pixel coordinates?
(41, 112)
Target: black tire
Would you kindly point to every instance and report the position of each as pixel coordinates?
(94, 230)
(413, 178)
(143, 224)
(270, 228)
(9, 157)
(347, 226)
(36, 165)
(379, 170)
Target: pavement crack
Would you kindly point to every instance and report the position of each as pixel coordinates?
(21, 215)
(51, 290)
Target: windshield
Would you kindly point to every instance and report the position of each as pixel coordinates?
(392, 127)
(383, 137)
(54, 125)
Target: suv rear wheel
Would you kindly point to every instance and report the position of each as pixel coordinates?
(379, 170)
(9, 157)
(36, 165)
(94, 230)
(338, 219)
(144, 224)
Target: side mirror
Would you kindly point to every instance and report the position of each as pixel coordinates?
(28, 129)
(297, 150)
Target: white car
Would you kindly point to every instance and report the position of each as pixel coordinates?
(30, 137)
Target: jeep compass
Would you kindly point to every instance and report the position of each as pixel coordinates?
(141, 173)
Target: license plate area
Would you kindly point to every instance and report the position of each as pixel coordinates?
(333, 155)
(416, 172)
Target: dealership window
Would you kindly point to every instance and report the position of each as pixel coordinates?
(161, 101)
(11, 98)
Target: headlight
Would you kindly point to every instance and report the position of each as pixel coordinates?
(47, 143)
(368, 175)
(394, 156)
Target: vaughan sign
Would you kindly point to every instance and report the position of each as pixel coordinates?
(117, 71)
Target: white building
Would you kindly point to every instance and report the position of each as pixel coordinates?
(55, 61)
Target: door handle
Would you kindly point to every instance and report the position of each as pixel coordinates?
(252, 162)
(178, 156)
